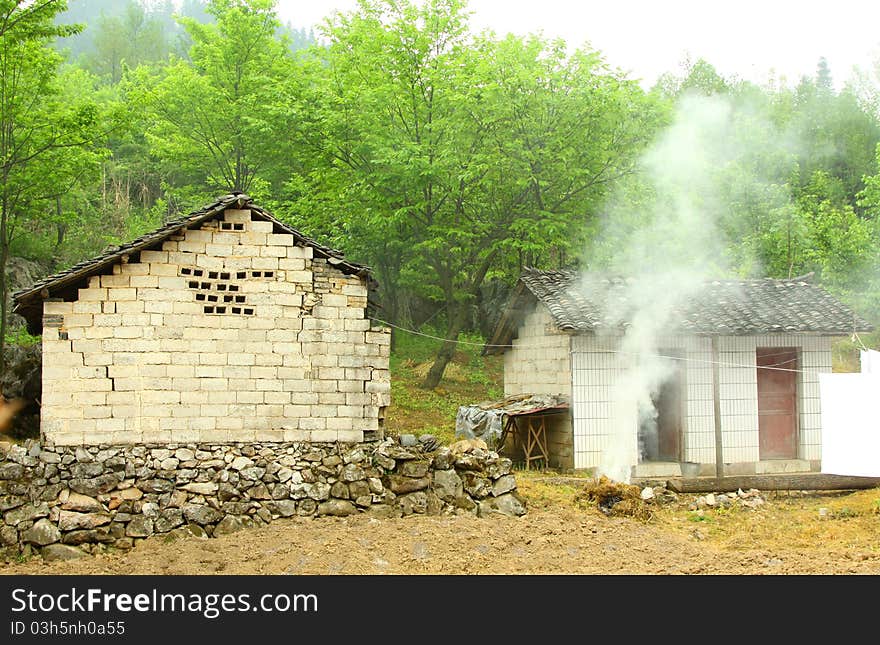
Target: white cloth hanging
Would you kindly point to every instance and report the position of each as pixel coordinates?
(870, 360)
(851, 422)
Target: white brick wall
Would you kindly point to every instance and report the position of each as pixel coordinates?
(597, 369)
(539, 361)
(205, 340)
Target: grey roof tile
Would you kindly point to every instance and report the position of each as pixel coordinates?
(29, 302)
(720, 307)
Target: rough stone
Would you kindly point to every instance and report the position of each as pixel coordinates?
(150, 509)
(82, 503)
(443, 459)
(202, 488)
(435, 504)
(43, 532)
(177, 498)
(469, 461)
(226, 492)
(11, 470)
(337, 507)
(375, 485)
(129, 493)
(70, 520)
(26, 513)
(240, 463)
(398, 453)
(87, 470)
(184, 454)
(498, 467)
(339, 490)
(254, 473)
(384, 511)
(229, 524)
(503, 484)
(156, 485)
(447, 485)
(95, 486)
(260, 492)
(201, 514)
(475, 484)
(358, 489)
(331, 461)
(408, 440)
(414, 468)
(169, 463)
(54, 552)
(413, 503)
(319, 491)
(196, 531)
(101, 535)
(8, 535)
(8, 502)
(509, 504)
(400, 484)
(169, 519)
(352, 473)
(286, 507)
(139, 527)
(384, 461)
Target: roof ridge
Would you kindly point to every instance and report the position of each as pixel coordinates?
(30, 300)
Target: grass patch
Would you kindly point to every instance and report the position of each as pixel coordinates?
(790, 519)
(469, 378)
(543, 492)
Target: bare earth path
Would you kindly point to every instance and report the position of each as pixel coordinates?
(561, 541)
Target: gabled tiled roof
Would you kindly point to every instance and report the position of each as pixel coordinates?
(29, 302)
(721, 307)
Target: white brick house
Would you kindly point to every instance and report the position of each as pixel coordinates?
(769, 338)
(226, 325)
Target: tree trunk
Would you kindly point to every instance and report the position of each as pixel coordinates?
(458, 313)
(447, 350)
(4, 255)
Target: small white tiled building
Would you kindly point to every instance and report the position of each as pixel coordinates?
(226, 325)
(769, 338)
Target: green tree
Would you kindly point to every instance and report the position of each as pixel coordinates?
(129, 39)
(443, 154)
(40, 132)
(215, 117)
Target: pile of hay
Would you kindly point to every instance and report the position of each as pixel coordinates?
(615, 499)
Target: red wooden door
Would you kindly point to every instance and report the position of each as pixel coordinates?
(777, 402)
(669, 416)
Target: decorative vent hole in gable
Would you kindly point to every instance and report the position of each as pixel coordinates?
(203, 288)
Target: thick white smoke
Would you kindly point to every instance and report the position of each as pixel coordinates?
(670, 249)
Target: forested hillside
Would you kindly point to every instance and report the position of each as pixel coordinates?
(445, 158)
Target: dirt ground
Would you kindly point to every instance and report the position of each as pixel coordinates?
(547, 540)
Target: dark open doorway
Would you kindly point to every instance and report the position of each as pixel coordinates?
(777, 402)
(661, 428)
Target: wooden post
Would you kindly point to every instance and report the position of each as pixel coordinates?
(716, 400)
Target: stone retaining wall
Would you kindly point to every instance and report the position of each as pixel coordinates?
(63, 501)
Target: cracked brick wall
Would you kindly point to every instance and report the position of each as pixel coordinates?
(228, 333)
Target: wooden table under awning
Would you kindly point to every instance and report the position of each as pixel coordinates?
(528, 429)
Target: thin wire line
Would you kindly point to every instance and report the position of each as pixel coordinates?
(621, 351)
(707, 362)
(418, 333)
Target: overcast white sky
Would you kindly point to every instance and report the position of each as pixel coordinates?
(747, 38)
